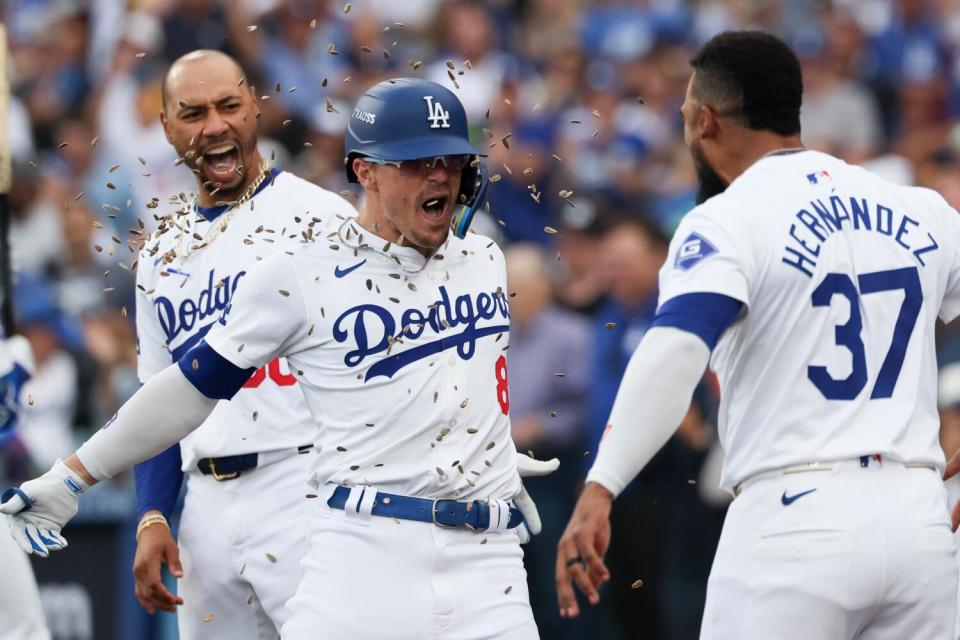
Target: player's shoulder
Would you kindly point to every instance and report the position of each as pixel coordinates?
(918, 199)
(293, 187)
(928, 197)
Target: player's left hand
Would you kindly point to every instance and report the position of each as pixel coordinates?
(38, 509)
(581, 549)
(528, 467)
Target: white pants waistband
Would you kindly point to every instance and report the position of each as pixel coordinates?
(872, 461)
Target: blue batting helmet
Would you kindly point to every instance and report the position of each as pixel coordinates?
(408, 119)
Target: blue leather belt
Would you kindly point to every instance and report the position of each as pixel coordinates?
(230, 467)
(474, 515)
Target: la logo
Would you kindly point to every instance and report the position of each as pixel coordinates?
(439, 119)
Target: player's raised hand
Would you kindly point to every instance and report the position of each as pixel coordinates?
(581, 549)
(156, 546)
(38, 509)
(528, 467)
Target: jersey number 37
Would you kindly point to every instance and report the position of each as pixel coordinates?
(848, 334)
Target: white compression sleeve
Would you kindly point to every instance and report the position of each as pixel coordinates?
(653, 398)
(161, 413)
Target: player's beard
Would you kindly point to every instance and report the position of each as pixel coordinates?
(709, 182)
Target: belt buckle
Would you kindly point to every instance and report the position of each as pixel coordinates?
(218, 477)
(433, 515)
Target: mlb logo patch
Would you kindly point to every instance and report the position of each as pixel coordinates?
(818, 177)
(694, 249)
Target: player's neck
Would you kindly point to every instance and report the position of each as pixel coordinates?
(373, 219)
(207, 198)
(753, 147)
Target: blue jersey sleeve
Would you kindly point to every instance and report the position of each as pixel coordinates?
(158, 482)
(706, 315)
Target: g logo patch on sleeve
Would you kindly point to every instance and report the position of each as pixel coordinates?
(693, 250)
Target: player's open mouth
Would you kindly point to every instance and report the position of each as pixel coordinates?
(435, 207)
(222, 161)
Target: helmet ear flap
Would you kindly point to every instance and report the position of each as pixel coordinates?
(473, 194)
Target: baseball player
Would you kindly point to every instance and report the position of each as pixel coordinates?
(397, 334)
(243, 529)
(813, 288)
(21, 617)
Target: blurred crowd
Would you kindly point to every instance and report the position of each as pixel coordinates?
(576, 102)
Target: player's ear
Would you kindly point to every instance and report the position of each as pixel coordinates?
(365, 174)
(252, 92)
(166, 125)
(709, 123)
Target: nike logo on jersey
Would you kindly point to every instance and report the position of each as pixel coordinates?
(788, 500)
(340, 273)
(373, 329)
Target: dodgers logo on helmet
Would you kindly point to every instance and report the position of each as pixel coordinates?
(693, 250)
(439, 119)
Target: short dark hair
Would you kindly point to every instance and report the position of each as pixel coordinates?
(753, 75)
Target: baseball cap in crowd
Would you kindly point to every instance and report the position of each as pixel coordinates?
(35, 305)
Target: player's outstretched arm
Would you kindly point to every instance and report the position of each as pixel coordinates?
(161, 413)
(654, 396)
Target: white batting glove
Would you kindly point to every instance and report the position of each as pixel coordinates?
(38, 509)
(528, 467)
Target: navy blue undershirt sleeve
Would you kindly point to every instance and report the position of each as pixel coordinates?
(213, 375)
(158, 482)
(706, 315)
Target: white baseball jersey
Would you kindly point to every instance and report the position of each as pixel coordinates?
(186, 277)
(403, 370)
(843, 276)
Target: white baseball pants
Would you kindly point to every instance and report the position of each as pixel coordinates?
(851, 552)
(241, 542)
(21, 617)
(368, 577)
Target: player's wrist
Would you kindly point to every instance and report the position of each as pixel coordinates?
(596, 491)
(150, 519)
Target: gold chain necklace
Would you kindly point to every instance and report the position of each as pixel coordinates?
(220, 225)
